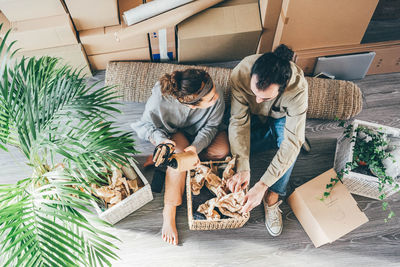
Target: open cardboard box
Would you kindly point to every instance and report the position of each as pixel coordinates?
(325, 221)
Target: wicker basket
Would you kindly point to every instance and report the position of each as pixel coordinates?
(230, 223)
(129, 204)
(357, 183)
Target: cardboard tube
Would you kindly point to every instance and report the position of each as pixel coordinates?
(166, 19)
(183, 161)
(151, 9)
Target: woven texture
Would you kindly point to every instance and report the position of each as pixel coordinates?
(230, 223)
(327, 99)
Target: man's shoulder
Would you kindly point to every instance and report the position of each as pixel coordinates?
(240, 75)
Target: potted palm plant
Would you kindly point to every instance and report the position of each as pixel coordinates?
(49, 113)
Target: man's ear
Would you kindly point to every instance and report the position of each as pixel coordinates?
(192, 106)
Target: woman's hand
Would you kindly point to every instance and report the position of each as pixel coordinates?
(168, 141)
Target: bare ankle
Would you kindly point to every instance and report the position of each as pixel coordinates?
(272, 198)
(169, 211)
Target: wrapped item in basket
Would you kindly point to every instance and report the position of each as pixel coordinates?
(210, 205)
(128, 191)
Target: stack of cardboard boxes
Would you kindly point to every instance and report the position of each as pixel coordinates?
(100, 43)
(224, 31)
(42, 28)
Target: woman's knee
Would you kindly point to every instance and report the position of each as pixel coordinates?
(180, 140)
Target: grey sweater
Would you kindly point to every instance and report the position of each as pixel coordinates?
(164, 116)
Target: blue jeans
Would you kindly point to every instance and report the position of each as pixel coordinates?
(267, 136)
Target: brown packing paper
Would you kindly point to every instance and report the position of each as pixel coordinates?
(220, 34)
(17, 10)
(305, 24)
(167, 19)
(90, 14)
(42, 33)
(325, 221)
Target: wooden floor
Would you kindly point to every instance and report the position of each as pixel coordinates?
(373, 244)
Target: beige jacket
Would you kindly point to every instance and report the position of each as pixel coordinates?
(293, 104)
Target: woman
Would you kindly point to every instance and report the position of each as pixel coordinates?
(185, 109)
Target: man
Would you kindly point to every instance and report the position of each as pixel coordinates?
(269, 106)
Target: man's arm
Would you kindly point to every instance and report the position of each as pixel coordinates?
(239, 129)
(294, 133)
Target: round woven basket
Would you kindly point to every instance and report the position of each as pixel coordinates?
(327, 99)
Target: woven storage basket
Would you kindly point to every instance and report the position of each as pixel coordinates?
(327, 99)
(129, 204)
(230, 223)
(357, 183)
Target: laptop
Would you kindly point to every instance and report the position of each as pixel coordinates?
(344, 67)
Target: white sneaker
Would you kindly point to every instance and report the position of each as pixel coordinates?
(273, 218)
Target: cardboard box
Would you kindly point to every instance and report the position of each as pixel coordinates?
(91, 14)
(269, 11)
(102, 40)
(220, 34)
(163, 44)
(41, 33)
(357, 183)
(167, 19)
(99, 62)
(73, 55)
(305, 24)
(386, 60)
(325, 221)
(16, 10)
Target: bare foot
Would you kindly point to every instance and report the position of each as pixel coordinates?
(169, 232)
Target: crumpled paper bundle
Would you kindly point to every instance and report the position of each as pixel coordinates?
(123, 181)
(228, 203)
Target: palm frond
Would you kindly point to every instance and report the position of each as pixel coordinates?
(48, 112)
(49, 224)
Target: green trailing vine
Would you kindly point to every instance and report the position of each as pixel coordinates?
(368, 154)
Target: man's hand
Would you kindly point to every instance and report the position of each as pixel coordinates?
(239, 181)
(254, 197)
